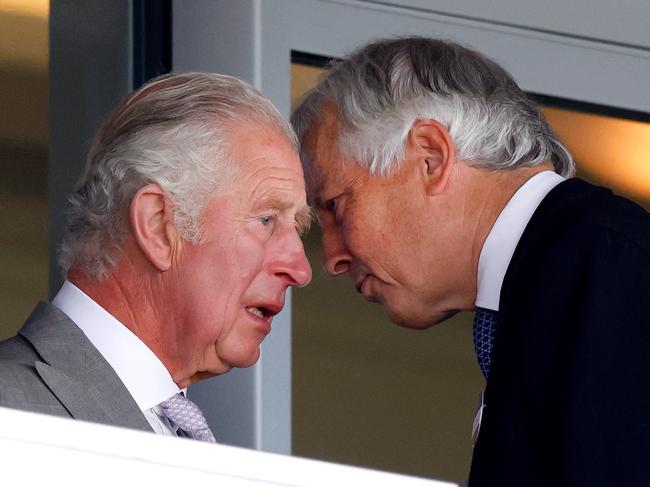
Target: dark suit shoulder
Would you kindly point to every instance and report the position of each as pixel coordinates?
(576, 203)
(583, 260)
(577, 224)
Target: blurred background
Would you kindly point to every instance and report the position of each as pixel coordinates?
(24, 58)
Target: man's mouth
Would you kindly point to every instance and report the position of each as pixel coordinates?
(264, 312)
(260, 312)
(362, 289)
(359, 285)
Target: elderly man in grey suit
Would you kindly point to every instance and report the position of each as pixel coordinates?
(183, 236)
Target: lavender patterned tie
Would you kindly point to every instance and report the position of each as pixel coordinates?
(188, 417)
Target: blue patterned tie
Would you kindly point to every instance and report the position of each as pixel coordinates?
(485, 321)
(188, 417)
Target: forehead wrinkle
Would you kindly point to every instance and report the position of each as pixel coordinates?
(318, 143)
(314, 189)
(288, 176)
(266, 193)
(277, 175)
(310, 164)
(323, 160)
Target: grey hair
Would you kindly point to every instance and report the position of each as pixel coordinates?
(381, 89)
(175, 132)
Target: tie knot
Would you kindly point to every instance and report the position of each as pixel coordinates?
(188, 417)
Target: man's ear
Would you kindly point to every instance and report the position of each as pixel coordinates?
(152, 223)
(429, 145)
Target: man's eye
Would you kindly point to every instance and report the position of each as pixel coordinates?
(266, 220)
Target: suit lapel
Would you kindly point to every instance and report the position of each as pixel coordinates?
(76, 372)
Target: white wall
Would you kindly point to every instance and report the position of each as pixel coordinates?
(616, 21)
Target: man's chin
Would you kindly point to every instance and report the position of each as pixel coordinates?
(244, 359)
(415, 321)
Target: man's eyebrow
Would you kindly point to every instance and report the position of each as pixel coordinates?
(304, 218)
(273, 202)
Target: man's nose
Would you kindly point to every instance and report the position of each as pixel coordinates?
(293, 264)
(336, 255)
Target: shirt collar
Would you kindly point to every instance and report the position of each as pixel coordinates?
(505, 234)
(139, 369)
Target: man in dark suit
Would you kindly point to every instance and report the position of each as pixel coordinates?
(183, 238)
(440, 187)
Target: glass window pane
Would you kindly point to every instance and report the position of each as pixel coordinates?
(23, 159)
(610, 151)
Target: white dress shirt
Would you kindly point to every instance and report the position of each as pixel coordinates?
(505, 234)
(139, 369)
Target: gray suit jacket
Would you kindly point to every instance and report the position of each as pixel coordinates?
(51, 367)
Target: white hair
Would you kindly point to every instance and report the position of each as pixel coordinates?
(174, 132)
(381, 89)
